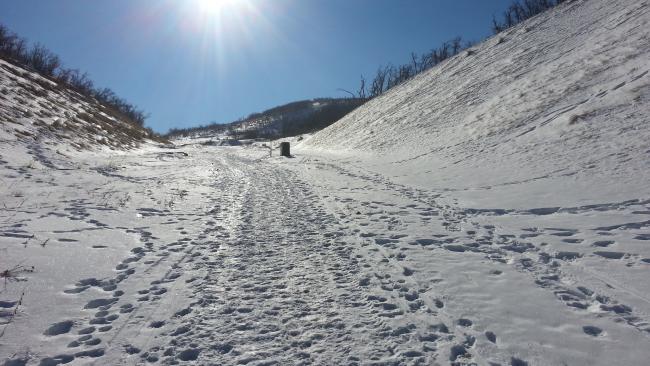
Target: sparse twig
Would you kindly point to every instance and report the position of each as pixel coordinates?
(28, 240)
(11, 275)
(122, 201)
(13, 313)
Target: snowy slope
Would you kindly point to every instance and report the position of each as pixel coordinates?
(38, 110)
(561, 98)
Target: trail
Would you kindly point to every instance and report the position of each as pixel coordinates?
(224, 256)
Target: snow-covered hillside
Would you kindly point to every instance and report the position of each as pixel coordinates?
(492, 211)
(36, 108)
(559, 101)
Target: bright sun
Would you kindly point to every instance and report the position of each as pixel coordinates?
(216, 7)
(222, 29)
(217, 17)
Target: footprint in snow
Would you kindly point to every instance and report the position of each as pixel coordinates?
(610, 255)
(491, 336)
(592, 330)
(602, 243)
(59, 328)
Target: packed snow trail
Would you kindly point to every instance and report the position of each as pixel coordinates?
(277, 288)
(224, 256)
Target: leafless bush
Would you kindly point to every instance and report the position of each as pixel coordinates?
(49, 65)
(521, 10)
(13, 274)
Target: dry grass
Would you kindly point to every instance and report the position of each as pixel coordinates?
(56, 100)
(13, 274)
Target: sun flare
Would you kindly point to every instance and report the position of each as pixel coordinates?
(216, 7)
(220, 31)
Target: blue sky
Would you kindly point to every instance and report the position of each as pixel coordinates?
(192, 62)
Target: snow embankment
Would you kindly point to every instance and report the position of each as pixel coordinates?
(526, 156)
(39, 113)
(559, 102)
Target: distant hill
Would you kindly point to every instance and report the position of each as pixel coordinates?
(286, 120)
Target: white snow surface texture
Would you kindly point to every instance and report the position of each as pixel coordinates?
(562, 97)
(494, 210)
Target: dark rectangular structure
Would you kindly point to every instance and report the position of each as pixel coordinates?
(285, 149)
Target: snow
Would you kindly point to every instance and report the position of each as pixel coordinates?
(493, 210)
(561, 98)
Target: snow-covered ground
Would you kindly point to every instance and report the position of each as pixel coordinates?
(226, 256)
(494, 210)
